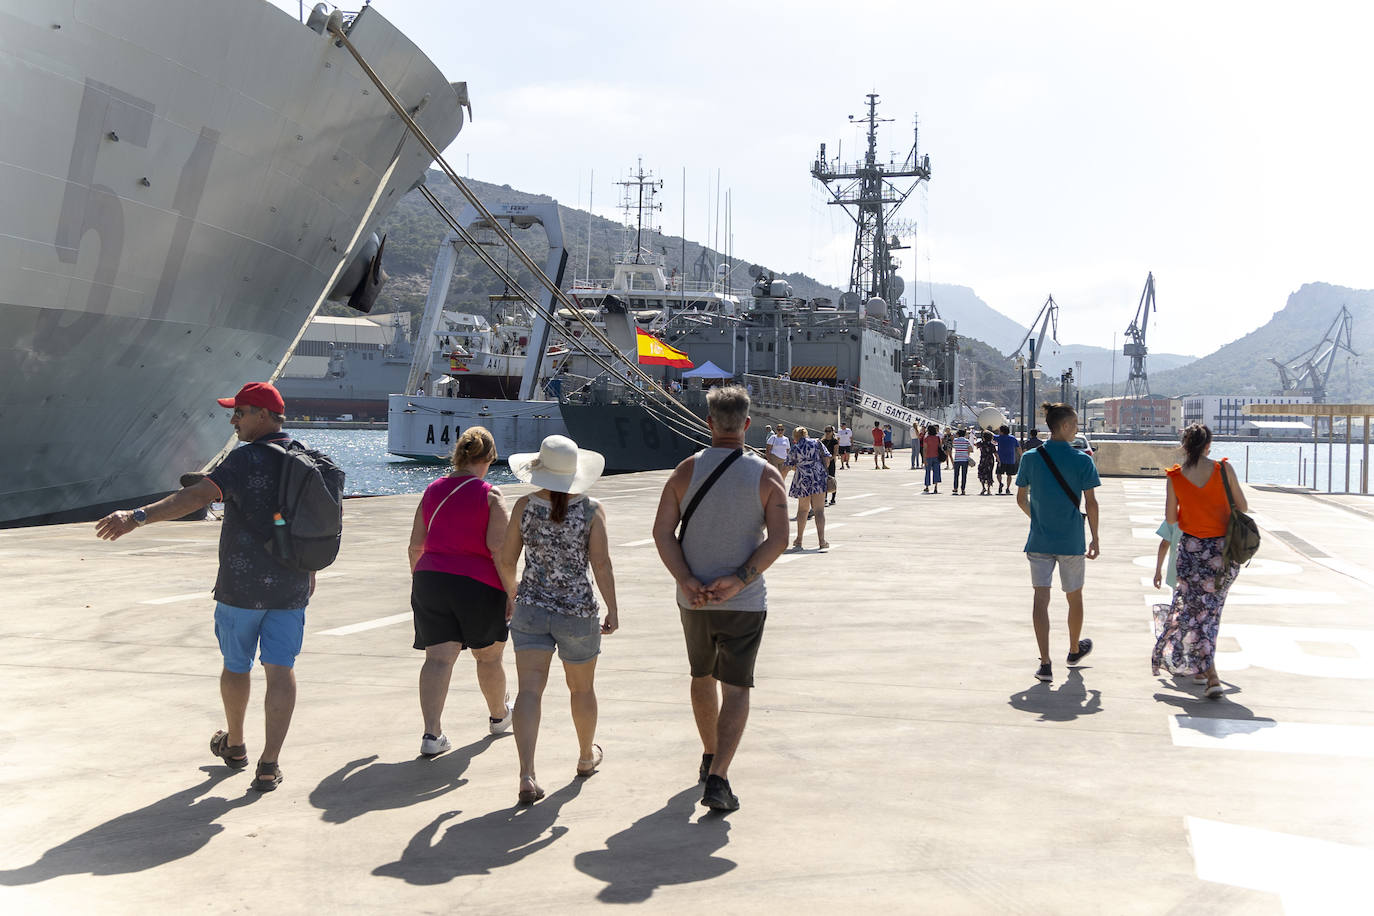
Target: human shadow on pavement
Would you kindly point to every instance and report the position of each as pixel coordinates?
(169, 829)
(482, 844)
(1241, 718)
(363, 785)
(665, 847)
(1071, 700)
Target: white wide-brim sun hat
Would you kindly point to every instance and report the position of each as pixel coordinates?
(559, 465)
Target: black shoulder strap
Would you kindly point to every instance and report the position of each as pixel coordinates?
(1068, 491)
(706, 485)
(1230, 500)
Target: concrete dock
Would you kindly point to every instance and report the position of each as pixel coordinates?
(900, 756)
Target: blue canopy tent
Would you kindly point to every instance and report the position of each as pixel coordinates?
(707, 369)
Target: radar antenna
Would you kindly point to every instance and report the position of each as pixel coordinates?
(870, 193)
(636, 187)
(1308, 372)
(1138, 382)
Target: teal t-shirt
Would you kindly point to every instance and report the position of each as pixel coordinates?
(1056, 524)
(1170, 533)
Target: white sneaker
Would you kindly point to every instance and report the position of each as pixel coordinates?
(433, 747)
(502, 725)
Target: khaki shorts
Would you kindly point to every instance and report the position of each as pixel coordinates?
(723, 644)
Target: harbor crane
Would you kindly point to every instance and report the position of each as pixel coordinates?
(1308, 372)
(1048, 316)
(1138, 382)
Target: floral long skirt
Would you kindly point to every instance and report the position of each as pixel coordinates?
(1187, 628)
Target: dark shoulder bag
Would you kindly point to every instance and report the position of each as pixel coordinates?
(706, 485)
(1068, 491)
(1242, 534)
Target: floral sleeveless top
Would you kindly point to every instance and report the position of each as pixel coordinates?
(556, 576)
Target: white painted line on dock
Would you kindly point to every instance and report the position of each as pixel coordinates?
(914, 483)
(859, 495)
(638, 543)
(872, 511)
(1147, 520)
(797, 555)
(366, 625)
(173, 599)
(1309, 875)
(1272, 737)
(1348, 569)
(1145, 533)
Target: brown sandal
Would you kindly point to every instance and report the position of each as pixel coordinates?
(233, 755)
(268, 776)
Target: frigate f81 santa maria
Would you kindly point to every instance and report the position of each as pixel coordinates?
(182, 184)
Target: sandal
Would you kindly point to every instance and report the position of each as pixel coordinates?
(530, 796)
(268, 776)
(1214, 691)
(825, 545)
(234, 756)
(587, 767)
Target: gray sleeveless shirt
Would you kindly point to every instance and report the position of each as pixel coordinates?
(727, 527)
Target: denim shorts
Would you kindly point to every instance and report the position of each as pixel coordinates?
(577, 639)
(240, 631)
(1072, 570)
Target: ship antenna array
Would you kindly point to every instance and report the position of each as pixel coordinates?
(638, 185)
(680, 414)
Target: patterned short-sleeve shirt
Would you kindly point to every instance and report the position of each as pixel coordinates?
(249, 478)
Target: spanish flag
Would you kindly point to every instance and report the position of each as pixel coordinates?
(654, 352)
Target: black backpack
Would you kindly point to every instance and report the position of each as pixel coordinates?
(309, 525)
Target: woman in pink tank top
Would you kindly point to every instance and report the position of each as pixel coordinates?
(456, 594)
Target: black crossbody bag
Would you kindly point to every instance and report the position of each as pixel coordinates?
(1068, 491)
(706, 485)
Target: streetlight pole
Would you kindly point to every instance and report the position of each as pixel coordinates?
(1021, 404)
(1030, 401)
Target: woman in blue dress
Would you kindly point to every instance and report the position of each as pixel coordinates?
(812, 461)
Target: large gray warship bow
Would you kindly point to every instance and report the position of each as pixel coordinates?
(185, 182)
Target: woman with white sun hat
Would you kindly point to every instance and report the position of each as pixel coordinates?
(562, 533)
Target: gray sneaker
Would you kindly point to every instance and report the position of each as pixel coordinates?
(434, 745)
(502, 725)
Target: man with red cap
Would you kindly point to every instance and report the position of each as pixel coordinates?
(260, 603)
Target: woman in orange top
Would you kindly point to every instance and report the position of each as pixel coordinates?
(1195, 500)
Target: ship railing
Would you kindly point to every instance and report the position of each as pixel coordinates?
(674, 285)
(767, 391)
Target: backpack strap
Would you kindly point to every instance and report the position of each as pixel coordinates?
(710, 481)
(1226, 483)
(1068, 491)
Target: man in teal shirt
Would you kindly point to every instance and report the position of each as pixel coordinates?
(1056, 528)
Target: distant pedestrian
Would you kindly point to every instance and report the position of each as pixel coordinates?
(832, 445)
(456, 595)
(931, 446)
(1032, 441)
(887, 441)
(846, 437)
(878, 452)
(562, 533)
(960, 456)
(738, 527)
(809, 457)
(1008, 457)
(917, 432)
(1051, 502)
(1195, 499)
(987, 461)
(260, 602)
(779, 444)
(947, 448)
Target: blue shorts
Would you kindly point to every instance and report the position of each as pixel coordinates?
(577, 639)
(240, 632)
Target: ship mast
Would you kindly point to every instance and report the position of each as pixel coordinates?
(870, 193)
(637, 186)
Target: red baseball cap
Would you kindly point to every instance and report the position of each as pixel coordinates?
(256, 394)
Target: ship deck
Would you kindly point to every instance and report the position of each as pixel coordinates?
(899, 755)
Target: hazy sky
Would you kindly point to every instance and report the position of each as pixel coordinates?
(1074, 147)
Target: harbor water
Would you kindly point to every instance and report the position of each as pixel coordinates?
(372, 472)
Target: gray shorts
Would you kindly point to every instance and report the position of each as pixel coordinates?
(577, 639)
(1072, 570)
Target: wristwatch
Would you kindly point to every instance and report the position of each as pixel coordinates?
(140, 517)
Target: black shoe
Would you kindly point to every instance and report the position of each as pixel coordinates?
(1084, 647)
(811, 513)
(718, 796)
(705, 769)
(1043, 672)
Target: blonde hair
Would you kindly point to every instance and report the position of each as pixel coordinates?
(474, 444)
(799, 433)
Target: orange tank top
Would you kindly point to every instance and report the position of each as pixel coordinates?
(1203, 511)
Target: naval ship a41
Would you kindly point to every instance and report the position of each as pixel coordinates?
(185, 182)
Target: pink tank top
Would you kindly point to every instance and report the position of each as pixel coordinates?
(457, 539)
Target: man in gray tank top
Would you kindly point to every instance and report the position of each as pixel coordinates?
(736, 530)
